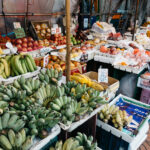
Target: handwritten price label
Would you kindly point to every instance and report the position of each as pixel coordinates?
(103, 75)
(46, 60)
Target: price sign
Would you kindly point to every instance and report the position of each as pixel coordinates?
(17, 25)
(19, 33)
(46, 60)
(103, 75)
(55, 30)
(45, 49)
(85, 23)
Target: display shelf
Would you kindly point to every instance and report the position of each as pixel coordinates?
(39, 144)
(131, 69)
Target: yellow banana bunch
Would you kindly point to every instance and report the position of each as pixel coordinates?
(86, 80)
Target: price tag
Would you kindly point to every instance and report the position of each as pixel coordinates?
(17, 25)
(45, 49)
(46, 60)
(53, 30)
(103, 75)
(19, 33)
(90, 37)
(85, 23)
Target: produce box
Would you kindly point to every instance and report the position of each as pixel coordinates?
(132, 135)
(39, 31)
(112, 85)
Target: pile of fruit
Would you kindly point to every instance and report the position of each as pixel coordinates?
(28, 44)
(58, 39)
(3, 41)
(80, 142)
(114, 116)
(42, 30)
(86, 80)
(15, 65)
(56, 63)
(74, 41)
(112, 50)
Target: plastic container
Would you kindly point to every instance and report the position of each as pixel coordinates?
(109, 137)
(145, 96)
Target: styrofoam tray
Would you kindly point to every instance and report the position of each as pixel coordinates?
(143, 130)
(131, 69)
(38, 144)
(104, 59)
(75, 125)
(141, 85)
(27, 75)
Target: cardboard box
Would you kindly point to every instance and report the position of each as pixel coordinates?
(112, 85)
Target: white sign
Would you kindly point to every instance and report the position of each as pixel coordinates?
(85, 22)
(46, 60)
(103, 75)
(55, 30)
(90, 37)
(17, 25)
(45, 49)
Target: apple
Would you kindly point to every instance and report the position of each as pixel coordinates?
(40, 46)
(35, 48)
(30, 44)
(18, 41)
(35, 43)
(24, 40)
(24, 49)
(30, 39)
(24, 45)
(29, 49)
(18, 46)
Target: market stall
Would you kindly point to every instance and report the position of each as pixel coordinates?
(59, 84)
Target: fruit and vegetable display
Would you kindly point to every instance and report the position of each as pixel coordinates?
(75, 52)
(79, 142)
(3, 41)
(42, 30)
(15, 65)
(114, 116)
(56, 63)
(75, 41)
(28, 44)
(86, 80)
(58, 39)
(112, 50)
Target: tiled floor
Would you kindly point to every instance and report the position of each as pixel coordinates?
(146, 144)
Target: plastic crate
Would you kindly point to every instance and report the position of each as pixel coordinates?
(109, 137)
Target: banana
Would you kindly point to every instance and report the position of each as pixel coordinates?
(66, 143)
(5, 119)
(11, 136)
(13, 66)
(23, 134)
(17, 64)
(6, 67)
(1, 68)
(12, 121)
(24, 66)
(27, 143)
(32, 61)
(4, 142)
(29, 64)
(18, 140)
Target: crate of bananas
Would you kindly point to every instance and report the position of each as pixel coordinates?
(114, 116)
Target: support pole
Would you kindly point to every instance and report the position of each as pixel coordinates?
(68, 40)
(136, 14)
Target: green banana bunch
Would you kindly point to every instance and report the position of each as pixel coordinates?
(50, 76)
(80, 142)
(10, 93)
(13, 141)
(29, 85)
(10, 120)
